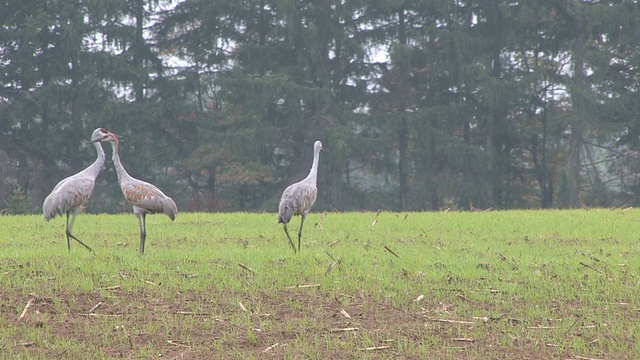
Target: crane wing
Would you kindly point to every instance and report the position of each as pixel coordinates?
(70, 193)
(298, 198)
(149, 198)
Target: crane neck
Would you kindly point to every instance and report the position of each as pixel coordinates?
(101, 156)
(313, 174)
(120, 170)
(96, 166)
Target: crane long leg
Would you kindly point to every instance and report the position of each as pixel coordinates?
(142, 222)
(289, 237)
(70, 235)
(69, 232)
(304, 216)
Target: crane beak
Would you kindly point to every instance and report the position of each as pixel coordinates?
(104, 138)
(119, 137)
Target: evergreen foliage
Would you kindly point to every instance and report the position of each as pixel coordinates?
(420, 105)
(18, 203)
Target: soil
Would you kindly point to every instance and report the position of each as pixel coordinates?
(293, 323)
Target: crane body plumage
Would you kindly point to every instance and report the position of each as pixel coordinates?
(298, 198)
(72, 193)
(145, 198)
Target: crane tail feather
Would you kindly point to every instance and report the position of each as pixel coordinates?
(285, 214)
(170, 208)
(54, 205)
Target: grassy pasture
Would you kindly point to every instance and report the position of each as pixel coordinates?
(447, 285)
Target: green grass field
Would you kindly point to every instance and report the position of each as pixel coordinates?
(446, 285)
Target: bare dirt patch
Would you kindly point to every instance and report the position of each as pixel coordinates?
(298, 323)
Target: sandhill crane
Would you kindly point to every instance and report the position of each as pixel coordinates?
(298, 198)
(70, 194)
(145, 198)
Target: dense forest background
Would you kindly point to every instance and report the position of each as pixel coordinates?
(421, 105)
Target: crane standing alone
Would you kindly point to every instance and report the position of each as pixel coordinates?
(145, 198)
(298, 198)
(70, 194)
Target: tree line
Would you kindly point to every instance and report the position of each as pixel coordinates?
(420, 105)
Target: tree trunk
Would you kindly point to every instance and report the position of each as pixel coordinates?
(403, 136)
(578, 116)
(138, 52)
(403, 148)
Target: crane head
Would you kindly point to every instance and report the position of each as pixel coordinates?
(102, 134)
(99, 134)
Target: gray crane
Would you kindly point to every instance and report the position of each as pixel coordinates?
(70, 194)
(298, 198)
(145, 198)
